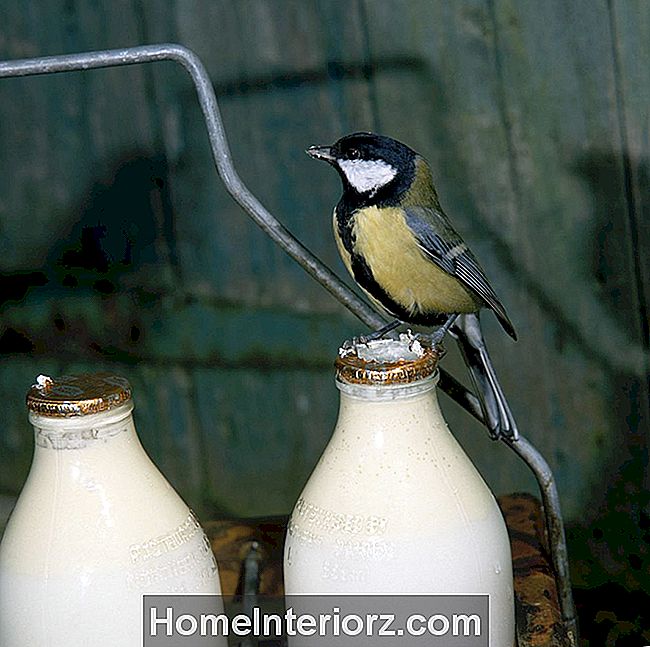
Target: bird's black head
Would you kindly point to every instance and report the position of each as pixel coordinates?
(373, 168)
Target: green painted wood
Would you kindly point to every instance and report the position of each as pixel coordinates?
(600, 350)
(171, 329)
(631, 29)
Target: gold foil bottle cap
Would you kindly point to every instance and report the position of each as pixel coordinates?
(387, 361)
(77, 395)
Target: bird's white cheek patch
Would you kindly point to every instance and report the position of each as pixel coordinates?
(367, 175)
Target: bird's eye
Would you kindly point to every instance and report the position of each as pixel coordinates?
(354, 154)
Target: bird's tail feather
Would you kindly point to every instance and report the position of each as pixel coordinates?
(496, 411)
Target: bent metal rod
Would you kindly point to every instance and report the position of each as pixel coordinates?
(307, 260)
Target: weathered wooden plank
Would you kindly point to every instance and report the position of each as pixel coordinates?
(249, 442)
(131, 327)
(550, 126)
(631, 34)
(34, 181)
(627, 506)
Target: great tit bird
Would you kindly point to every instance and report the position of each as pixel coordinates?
(399, 246)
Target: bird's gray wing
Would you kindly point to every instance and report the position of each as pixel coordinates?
(442, 244)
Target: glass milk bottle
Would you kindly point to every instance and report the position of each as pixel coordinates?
(394, 505)
(96, 525)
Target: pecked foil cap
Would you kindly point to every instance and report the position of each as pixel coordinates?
(77, 395)
(387, 361)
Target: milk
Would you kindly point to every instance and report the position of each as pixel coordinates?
(95, 527)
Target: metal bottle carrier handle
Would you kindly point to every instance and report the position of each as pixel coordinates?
(309, 262)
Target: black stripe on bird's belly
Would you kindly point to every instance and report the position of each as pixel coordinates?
(344, 217)
(364, 277)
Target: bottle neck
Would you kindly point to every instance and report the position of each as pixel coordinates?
(387, 392)
(397, 412)
(81, 432)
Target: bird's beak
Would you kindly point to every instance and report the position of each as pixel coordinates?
(321, 153)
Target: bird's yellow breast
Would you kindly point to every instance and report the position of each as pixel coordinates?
(399, 265)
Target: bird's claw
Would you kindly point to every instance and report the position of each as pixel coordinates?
(435, 338)
(431, 339)
(494, 434)
(351, 344)
(426, 339)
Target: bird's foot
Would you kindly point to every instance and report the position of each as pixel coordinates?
(378, 334)
(427, 340)
(436, 337)
(351, 344)
(361, 340)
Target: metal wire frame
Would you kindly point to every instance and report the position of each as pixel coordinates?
(308, 261)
